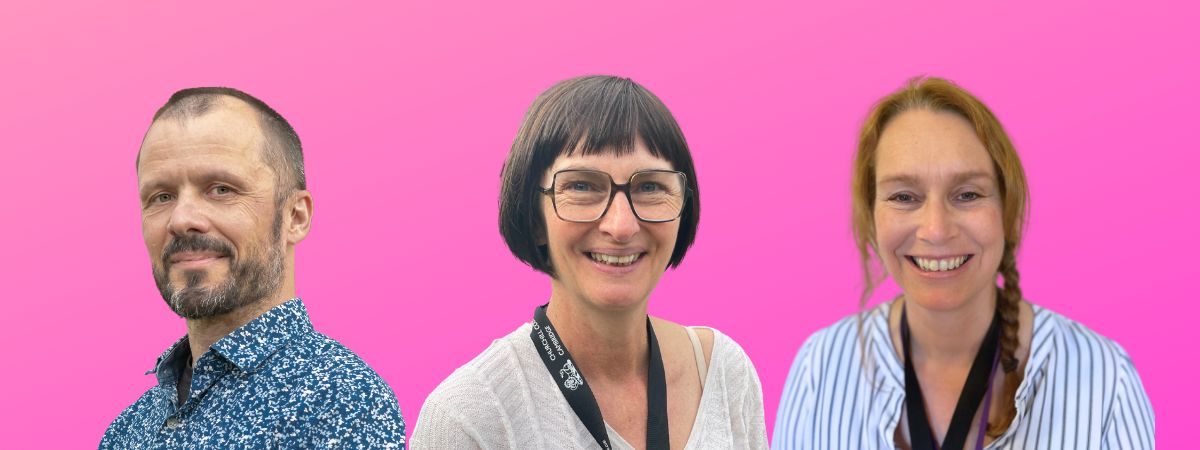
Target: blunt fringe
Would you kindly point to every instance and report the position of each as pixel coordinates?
(590, 115)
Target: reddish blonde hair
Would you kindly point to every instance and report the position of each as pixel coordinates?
(936, 94)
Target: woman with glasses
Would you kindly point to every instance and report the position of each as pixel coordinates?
(600, 194)
(956, 361)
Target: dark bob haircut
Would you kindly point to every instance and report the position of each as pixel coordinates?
(591, 115)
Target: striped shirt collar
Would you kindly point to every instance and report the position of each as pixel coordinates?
(889, 370)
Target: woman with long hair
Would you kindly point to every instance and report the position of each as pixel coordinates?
(957, 360)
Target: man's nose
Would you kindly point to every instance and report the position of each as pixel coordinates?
(189, 215)
(620, 222)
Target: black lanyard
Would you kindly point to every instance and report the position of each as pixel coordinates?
(579, 395)
(978, 386)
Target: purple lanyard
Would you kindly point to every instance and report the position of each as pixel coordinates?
(987, 403)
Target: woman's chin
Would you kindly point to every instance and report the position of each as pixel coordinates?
(617, 300)
(936, 300)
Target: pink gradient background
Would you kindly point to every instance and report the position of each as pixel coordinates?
(406, 113)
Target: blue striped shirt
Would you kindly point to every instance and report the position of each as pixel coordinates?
(1080, 391)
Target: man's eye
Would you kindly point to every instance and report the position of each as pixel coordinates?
(222, 190)
(161, 198)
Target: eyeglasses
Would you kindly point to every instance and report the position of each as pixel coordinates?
(585, 195)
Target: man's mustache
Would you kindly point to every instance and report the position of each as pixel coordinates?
(194, 243)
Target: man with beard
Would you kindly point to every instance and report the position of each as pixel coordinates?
(224, 203)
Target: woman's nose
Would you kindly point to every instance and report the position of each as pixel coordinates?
(937, 224)
(620, 222)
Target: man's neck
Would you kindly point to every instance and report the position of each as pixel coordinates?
(203, 333)
(609, 345)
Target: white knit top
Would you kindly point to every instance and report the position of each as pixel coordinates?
(505, 399)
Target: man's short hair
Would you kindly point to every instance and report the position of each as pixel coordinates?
(590, 115)
(282, 151)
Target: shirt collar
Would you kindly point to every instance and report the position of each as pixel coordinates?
(171, 362)
(249, 346)
(890, 371)
(1045, 332)
(246, 347)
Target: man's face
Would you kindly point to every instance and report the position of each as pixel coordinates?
(209, 214)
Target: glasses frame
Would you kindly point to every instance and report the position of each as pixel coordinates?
(612, 194)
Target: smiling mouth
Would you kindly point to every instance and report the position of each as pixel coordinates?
(615, 260)
(939, 264)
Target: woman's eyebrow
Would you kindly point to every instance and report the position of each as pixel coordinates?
(899, 178)
(914, 180)
(967, 176)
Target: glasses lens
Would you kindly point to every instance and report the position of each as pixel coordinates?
(581, 195)
(657, 195)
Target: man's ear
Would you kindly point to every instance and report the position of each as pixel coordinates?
(298, 211)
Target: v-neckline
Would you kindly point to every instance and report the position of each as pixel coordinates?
(696, 422)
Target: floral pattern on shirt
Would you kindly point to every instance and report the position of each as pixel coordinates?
(273, 383)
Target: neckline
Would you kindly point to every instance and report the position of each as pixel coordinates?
(697, 424)
(876, 325)
(522, 335)
(880, 333)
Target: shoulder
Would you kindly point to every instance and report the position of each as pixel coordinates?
(497, 368)
(841, 338)
(719, 349)
(138, 416)
(834, 352)
(1074, 341)
(325, 362)
(478, 390)
(1068, 343)
(724, 351)
(333, 390)
(739, 375)
(1076, 358)
(676, 337)
(727, 359)
(738, 397)
(344, 400)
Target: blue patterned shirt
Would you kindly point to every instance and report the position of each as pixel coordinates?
(273, 383)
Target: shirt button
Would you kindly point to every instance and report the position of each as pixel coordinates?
(172, 422)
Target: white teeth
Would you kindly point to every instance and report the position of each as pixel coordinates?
(614, 259)
(939, 265)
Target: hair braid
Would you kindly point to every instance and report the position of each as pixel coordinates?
(1008, 304)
